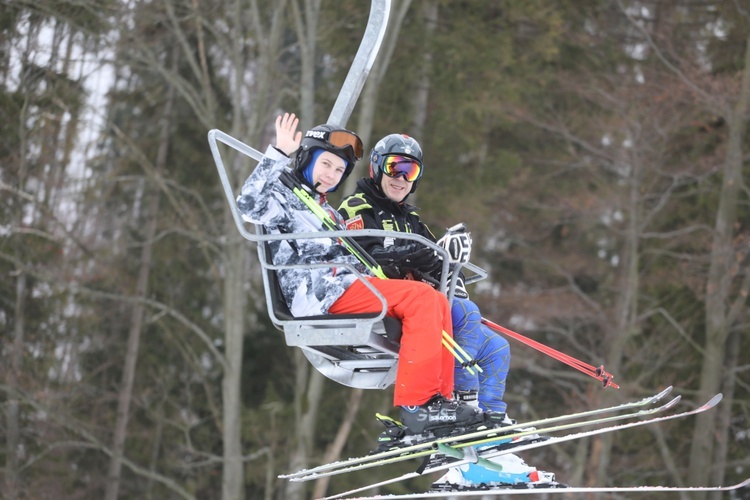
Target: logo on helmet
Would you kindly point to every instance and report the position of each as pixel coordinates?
(316, 134)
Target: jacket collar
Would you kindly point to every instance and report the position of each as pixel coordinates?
(368, 187)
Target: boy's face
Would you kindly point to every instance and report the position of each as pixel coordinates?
(328, 171)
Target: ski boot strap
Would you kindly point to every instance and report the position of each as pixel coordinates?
(468, 397)
(392, 436)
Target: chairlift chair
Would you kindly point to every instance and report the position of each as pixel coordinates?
(355, 350)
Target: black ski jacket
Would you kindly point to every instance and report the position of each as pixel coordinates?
(369, 208)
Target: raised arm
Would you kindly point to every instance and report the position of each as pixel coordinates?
(263, 199)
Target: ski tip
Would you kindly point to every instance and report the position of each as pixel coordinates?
(671, 403)
(714, 401)
(663, 393)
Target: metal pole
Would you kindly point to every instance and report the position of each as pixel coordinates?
(363, 61)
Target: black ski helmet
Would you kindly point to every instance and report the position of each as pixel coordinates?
(331, 138)
(394, 144)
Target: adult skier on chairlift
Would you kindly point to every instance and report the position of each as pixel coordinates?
(379, 202)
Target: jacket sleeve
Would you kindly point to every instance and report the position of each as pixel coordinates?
(262, 200)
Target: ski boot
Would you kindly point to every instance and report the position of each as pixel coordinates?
(437, 418)
(492, 418)
(441, 417)
(511, 472)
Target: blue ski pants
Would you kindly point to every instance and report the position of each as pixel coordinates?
(490, 350)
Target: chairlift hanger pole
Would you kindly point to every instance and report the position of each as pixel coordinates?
(363, 61)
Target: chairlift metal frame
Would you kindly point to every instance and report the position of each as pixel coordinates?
(358, 351)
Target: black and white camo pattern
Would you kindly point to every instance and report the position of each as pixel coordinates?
(265, 200)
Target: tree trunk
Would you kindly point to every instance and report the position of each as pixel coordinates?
(12, 413)
(234, 306)
(626, 312)
(307, 34)
(237, 272)
(724, 416)
(430, 10)
(308, 386)
(718, 287)
(235, 303)
(308, 394)
(334, 450)
(13, 437)
(136, 321)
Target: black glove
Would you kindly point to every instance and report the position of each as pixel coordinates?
(398, 260)
(423, 260)
(419, 257)
(392, 271)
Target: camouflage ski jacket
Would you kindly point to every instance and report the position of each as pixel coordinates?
(265, 200)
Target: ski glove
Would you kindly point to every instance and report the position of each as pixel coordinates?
(396, 261)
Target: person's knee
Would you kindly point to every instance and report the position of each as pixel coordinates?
(463, 308)
(470, 306)
(498, 344)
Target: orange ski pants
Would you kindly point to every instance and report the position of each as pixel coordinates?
(425, 367)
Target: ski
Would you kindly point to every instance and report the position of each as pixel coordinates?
(569, 490)
(428, 444)
(522, 447)
(479, 438)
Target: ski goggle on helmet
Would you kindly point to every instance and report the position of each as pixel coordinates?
(339, 141)
(397, 165)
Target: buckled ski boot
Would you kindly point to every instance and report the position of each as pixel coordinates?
(498, 419)
(469, 397)
(441, 417)
(393, 435)
(511, 470)
(491, 418)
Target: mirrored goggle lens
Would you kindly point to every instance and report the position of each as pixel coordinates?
(344, 138)
(394, 166)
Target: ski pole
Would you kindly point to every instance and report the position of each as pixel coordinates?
(351, 245)
(595, 372)
(450, 349)
(365, 258)
(468, 362)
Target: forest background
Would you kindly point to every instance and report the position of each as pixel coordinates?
(598, 151)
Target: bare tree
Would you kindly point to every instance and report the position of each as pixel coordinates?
(726, 285)
(44, 113)
(125, 394)
(724, 297)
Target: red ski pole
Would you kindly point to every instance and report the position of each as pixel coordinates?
(595, 372)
